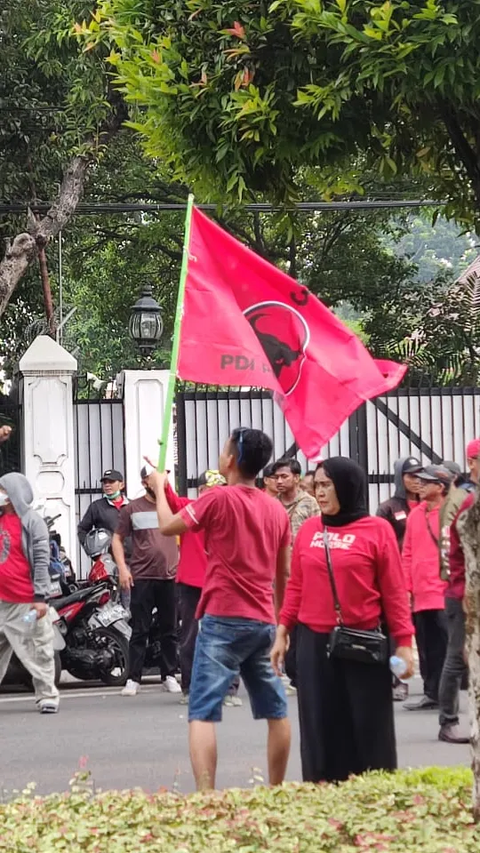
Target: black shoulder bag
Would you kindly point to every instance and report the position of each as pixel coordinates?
(348, 643)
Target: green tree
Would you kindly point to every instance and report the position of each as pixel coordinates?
(58, 112)
(238, 95)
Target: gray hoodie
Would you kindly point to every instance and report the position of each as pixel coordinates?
(398, 478)
(397, 508)
(35, 539)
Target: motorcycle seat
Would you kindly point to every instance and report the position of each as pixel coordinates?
(79, 595)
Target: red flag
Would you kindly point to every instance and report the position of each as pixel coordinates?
(246, 322)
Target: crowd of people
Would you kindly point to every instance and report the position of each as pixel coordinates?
(292, 587)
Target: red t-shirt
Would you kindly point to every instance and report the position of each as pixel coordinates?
(456, 581)
(368, 575)
(193, 559)
(16, 584)
(244, 531)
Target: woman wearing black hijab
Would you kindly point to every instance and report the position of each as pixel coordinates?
(345, 706)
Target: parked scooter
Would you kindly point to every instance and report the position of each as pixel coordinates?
(95, 626)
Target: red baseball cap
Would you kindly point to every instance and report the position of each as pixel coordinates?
(473, 448)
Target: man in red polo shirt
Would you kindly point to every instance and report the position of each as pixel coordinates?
(247, 539)
(191, 571)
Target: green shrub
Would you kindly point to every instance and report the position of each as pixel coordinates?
(423, 811)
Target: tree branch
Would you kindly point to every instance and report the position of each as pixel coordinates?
(26, 246)
(467, 154)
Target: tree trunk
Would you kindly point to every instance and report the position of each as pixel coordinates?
(47, 291)
(26, 247)
(469, 530)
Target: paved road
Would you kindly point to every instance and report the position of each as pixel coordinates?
(143, 741)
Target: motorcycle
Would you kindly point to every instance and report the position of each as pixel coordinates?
(96, 634)
(97, 546)
(62, 575)
(93, 621)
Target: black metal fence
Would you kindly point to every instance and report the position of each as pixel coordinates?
(427, 422)
(99, 444)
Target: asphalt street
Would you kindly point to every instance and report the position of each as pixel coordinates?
(142, 741)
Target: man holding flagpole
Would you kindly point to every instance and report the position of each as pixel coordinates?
(247, 540)
(242, 321)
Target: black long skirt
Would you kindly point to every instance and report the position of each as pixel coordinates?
(345, 712)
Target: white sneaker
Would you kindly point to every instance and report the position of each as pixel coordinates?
(48, 706)
(290, 690)
(131, 688)
(232, 701)
(171, 685)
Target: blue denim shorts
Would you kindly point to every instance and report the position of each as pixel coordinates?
(227, 647)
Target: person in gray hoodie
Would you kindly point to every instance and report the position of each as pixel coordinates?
(405, 497)
(24, 586)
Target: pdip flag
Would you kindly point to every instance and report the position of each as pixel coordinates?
(245, 322)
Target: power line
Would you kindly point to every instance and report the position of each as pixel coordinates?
(87, 208)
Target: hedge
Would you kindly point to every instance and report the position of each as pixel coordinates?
(422, 811)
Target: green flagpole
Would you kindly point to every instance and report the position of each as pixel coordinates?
(167, 414)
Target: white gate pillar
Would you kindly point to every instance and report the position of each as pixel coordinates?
(48, 438)
(144, 397)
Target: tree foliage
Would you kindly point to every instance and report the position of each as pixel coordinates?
(58, 112)
(237, 95)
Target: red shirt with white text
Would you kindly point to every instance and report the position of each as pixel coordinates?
(244, 531)
(16, 584)
(368, 575)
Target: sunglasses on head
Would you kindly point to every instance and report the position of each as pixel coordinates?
(239, 444)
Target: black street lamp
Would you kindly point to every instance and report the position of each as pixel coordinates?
(146, 324)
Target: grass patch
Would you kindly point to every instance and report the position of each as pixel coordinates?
(419, 811)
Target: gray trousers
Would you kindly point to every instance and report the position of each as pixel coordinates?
(33, 646)
(454, 666)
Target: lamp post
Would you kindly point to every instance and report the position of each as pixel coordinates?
(146, 324)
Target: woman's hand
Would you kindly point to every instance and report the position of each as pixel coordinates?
(406, 654)
(279, 650)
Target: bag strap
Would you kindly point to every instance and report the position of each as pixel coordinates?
(331, 576)
(432, 534)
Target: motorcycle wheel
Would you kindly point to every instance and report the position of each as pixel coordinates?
(118, 675)
(27, 678)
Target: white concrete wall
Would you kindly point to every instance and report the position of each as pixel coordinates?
(48, 440)
(144, 396)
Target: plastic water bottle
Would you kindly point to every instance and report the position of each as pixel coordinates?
(398, 666)
(30, 618)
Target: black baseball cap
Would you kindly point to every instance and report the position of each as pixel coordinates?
(411, 465)
(112, 475)
(436, 474)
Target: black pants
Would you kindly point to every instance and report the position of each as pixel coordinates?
(188, 598)
(454, 667)
(345, 713)
(431, 635)
(146, 595)
(291, 658)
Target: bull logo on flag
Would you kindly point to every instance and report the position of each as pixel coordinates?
(284, 337)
